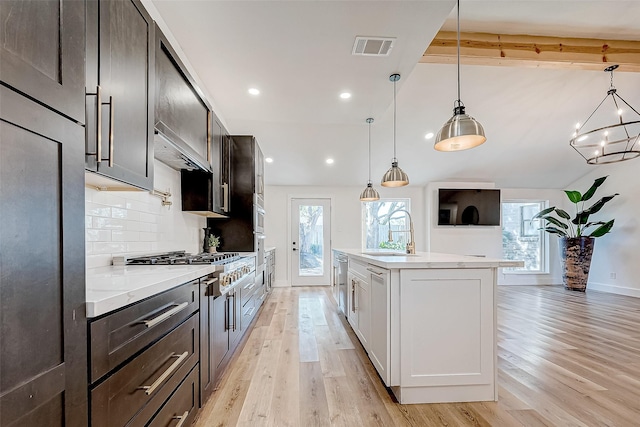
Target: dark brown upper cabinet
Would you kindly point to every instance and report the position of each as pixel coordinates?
(181, 111)
(42, 53)
(121, 86)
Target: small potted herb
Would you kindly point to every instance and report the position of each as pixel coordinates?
(213, 243)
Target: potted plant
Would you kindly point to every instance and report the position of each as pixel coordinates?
(213, 243)
(577, 235)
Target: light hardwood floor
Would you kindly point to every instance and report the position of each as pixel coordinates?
(564, 359)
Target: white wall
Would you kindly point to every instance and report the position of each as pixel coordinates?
(487, 241)
(119, 222)
(345, 218)
(617, 252)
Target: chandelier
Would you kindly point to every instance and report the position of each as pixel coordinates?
(613, 134)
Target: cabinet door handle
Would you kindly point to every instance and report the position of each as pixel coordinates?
(111, 125)
(235, 316)
(225, 197)
(226, 313)
(98, 153)
(149, 389)
(353, 295)
(164, 316)
(375, 272)
(182, 418)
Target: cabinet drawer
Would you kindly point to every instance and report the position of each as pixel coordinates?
(358, 268)
(249, 311)
(247, 291)
(148, 380)
(118, 336)
(181, 408)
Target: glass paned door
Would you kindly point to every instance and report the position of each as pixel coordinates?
(310, 241)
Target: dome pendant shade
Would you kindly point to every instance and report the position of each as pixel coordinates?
(395, 177)
(369, 194)
(460, 132)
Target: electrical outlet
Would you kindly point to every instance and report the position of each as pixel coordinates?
(612, 275)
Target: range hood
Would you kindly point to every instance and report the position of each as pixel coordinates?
(172, 150)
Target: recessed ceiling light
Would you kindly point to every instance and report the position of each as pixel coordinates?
(268, 160)
(329, 161)
(429, 135)
(345, 95)
(254, 91)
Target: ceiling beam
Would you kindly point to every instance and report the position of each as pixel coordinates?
(533, 51)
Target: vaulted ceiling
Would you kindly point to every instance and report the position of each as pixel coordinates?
(298, 53)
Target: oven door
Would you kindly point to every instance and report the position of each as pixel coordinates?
(258, 218)
(259, 249)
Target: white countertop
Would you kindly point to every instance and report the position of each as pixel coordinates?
(428, 260)
(111, 288)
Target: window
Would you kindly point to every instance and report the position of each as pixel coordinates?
(381, 216)
(521, 238)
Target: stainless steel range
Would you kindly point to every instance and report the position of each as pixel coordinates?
(232, 268)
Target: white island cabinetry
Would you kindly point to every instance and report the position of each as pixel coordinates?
(428, 323)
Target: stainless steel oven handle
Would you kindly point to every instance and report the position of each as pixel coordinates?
(164, 316)
(149, 389)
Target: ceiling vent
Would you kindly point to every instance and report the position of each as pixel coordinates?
(373, 46)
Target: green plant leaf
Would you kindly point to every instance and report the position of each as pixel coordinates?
(554, 230)
(574, 196)
(603, 229)
(591, 191)
(598, 205)
(581, 218)
(543, 212)
(563, 214)
(555, 222)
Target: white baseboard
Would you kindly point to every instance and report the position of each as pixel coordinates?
(619, 290)
(281, 284)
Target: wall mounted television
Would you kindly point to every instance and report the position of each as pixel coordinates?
(468, 206)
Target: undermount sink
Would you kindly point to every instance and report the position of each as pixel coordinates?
(388, 254)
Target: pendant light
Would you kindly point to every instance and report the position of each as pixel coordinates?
(460, 132)
(611, 138)
(394, 177)
(369, 194)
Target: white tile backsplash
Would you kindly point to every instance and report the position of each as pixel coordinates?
(123, 222)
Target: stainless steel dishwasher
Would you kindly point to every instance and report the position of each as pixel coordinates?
(343, 265)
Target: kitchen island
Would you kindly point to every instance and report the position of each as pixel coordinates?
(427, 322)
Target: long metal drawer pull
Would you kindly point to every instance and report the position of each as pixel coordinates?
(148, 389)
(164, 316)
(182, 418)
(210, 281)
(375, 272)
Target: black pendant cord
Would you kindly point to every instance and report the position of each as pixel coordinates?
(395, 159)
(458, 32)
(369, 120)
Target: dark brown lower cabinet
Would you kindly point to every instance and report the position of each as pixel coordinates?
(153, 347)
(182, 406)
(43, 353)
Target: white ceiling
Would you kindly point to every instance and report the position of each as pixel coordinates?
(298, 53)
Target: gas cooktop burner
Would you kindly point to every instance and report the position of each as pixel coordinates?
(178, 258)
